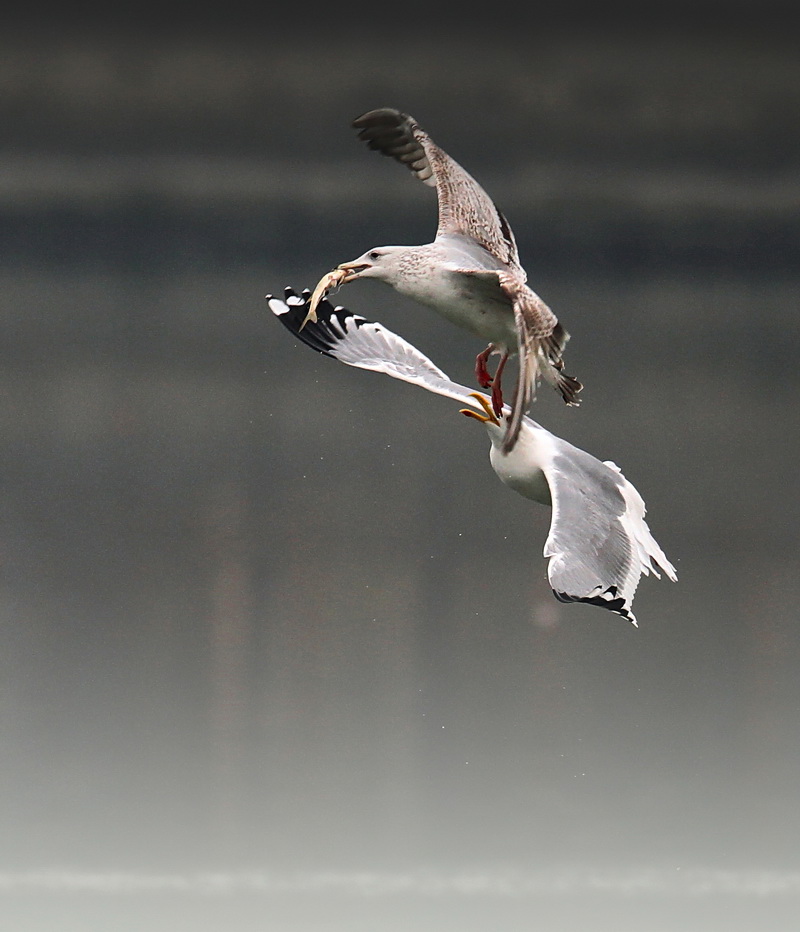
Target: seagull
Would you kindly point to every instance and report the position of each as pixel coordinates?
(599, 543)
(470, 273)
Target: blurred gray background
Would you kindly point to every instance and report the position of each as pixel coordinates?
(277, 649)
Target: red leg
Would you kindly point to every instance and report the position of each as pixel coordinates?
(482, 374)
(497, 390)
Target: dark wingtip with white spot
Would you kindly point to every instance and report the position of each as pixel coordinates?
(322, 334)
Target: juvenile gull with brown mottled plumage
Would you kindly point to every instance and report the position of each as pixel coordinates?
(470, 273)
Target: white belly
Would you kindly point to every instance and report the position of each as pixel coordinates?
(466, 302)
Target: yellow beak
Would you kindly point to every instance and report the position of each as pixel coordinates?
(351, 269)
(489, 415)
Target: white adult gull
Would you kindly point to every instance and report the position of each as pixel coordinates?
(470, 273)
(599, 544)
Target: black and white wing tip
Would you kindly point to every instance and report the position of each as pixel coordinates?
(322, 335)
(604, 598)
(364, 344)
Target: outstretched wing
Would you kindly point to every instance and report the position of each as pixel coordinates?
(464, 207)
(599, 544)
(358, 342)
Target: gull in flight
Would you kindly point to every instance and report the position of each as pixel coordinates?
(470, 273)
(599, 544)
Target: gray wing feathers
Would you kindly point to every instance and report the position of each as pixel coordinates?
(371, 346)
(599, 543)
(650, 555)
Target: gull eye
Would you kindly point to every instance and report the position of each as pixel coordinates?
(373, 255)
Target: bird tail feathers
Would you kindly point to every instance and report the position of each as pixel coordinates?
(551, 349)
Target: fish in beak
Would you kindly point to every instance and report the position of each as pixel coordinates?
(343, 273)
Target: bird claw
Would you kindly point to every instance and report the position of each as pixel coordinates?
(482, 374)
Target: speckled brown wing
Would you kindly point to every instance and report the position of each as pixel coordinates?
(464, 207)
(536, 324)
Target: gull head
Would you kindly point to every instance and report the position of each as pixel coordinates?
(386, 263)
(521, 469)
